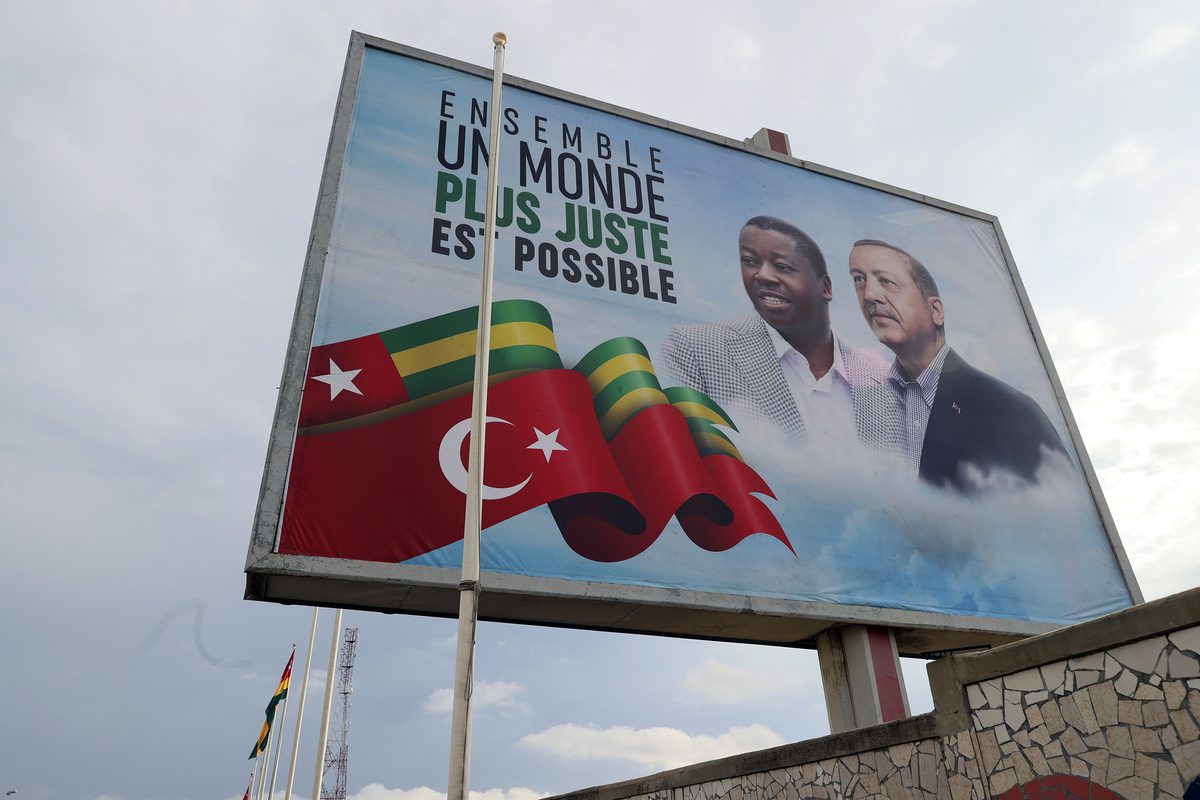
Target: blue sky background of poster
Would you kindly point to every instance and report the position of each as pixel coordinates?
(864, 534)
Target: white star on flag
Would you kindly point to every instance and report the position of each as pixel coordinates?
(340, 380)
(547, 443)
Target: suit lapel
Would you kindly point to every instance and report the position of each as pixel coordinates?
(755, 356)
(859, 389)
(949, 421)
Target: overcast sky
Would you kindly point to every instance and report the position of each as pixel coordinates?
(159, 165)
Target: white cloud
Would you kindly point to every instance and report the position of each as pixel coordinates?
(440, 701)
(1127, 159)
(1166, 40)
(503, 695)
(1133, 403)
(655, 748)
(377, 791)
(725, 684)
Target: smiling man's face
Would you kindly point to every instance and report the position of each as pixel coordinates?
(781, 283)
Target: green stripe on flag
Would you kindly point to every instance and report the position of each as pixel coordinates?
(697, 425)
(601, 353)
(467, 319)
(709, 445)
(682, 394)
(265, 735)
(462, 371)
(622, 386)
(711, 440)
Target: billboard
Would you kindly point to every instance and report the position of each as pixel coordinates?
(734, 395)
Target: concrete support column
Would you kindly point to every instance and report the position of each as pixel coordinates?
(860, 670)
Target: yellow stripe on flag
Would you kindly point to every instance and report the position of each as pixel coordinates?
(627, 406)
(701, 411)
(462, 345)
(715, 442)
(617, 366)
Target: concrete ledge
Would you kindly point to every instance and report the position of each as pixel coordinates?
(1104, 633)
(925, 726)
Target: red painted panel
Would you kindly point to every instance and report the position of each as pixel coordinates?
(1060, 787)
(887, 680)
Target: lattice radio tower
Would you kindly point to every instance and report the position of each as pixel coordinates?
(333, 780)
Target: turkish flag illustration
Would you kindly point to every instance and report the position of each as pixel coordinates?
(396, 489)
(379, 469)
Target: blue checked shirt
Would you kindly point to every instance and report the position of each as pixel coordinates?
(916, 398)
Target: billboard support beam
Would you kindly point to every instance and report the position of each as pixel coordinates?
(459, 782)
(860, 671)
(860, 665)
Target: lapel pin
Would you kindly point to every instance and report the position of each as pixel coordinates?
(957, 408)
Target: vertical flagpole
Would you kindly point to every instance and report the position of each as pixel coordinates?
(323, 734)
(262, 772)
(312, 638)
(252, 789)
(278, 744)
(468, 587)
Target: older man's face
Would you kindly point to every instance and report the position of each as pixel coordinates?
(781, 283)
(891, 302)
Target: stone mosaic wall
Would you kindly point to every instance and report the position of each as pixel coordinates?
(1125, 721)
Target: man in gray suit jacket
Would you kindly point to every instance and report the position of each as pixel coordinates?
(784, 364)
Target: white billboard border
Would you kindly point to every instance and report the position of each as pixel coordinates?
(262, 562)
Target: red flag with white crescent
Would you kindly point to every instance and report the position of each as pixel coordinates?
(396, 489)
(379, 471)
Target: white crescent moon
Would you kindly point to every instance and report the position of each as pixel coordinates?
(450, 459)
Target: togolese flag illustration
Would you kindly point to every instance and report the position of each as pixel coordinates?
(400, 371)
(378, 472)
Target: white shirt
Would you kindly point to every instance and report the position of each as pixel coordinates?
(824, 403)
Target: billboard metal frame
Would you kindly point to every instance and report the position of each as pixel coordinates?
(391, 588)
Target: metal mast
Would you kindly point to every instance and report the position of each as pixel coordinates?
(333, 784)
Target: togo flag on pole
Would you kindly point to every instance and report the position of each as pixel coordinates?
(260, 745)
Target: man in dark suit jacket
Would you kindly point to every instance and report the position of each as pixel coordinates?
(962, 427)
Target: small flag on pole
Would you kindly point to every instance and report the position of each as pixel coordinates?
(280, 692)
(246, 796)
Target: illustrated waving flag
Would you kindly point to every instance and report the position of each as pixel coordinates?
(737, 483)
(378, 472)
(376, 377)
(281, 691)
(650, 444)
